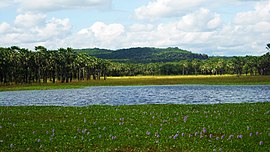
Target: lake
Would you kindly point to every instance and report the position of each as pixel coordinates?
(134, 95)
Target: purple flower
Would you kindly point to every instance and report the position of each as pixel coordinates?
(175, 136)
(196, 133)
(160, 129)
(240, 136)
(204, 130)
(183, 134)
(148, 133)
(122, 119)
(230, 137)
(257, 133)
(210, 136)
(157, 135)
(261, 143)
(223, 136)
(185, 118)
(250, 134)
(38, 140)
(121, 123)
(113, 137)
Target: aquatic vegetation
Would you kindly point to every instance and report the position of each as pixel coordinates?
(220, 127)
(147, 80)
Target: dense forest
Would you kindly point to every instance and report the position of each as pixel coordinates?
(143, 55)
(20, 65)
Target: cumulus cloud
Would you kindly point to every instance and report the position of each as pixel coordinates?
(201, 30)
(4, 28)
(53, 5)
(32, 29)
(28, 20)
(5, 3)
(201, 20)
(259, 14)
(166, 8)
(100, 35)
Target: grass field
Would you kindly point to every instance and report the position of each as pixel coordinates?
(220, 127)
(147, 80)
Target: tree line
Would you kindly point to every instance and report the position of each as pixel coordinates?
(248, 65)
(20, 65)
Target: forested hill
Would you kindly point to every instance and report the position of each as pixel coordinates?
(143, 55)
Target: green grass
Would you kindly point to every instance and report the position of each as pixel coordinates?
(136, 128)
(147, 80)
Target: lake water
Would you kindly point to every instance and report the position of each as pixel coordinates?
(133, 95)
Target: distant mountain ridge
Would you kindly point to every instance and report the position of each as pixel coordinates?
(143, 54)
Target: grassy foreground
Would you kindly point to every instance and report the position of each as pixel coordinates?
(147, 80)
(220, 127)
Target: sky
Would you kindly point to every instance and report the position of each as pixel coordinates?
(212, 27)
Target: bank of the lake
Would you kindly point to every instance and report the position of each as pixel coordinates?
(218, 127)
(146, 80)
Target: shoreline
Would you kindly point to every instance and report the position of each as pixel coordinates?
(146, 80)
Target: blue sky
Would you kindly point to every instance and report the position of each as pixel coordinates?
(224, 27)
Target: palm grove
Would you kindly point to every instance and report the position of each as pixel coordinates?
(20, 65)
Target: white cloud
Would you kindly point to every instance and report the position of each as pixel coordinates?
(28, 20)
(201, 20)
(261, 13)
(5, 28)
(53, 5)
(199, 29)
(5, 3)
(165, 8)
(100, 35)
(55, 28)
(32, 29)
(107, 32)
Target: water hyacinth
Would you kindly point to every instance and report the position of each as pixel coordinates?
(185, 118)
(157, 135)
(175, 136)
(114, 137)
(240, 136)
(223, 136)
(204, 130)
(107, 135)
